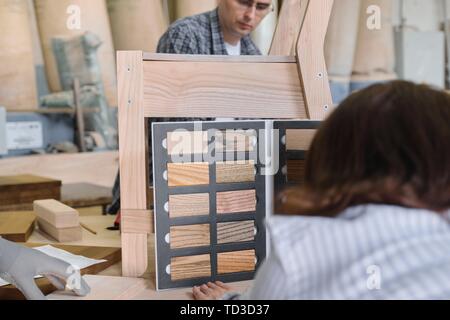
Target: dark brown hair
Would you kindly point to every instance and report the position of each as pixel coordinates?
(387, 144)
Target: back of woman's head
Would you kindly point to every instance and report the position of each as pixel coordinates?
(389, 144)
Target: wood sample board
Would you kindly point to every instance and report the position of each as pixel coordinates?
(112, 255)
(17, 226)
(224, 237)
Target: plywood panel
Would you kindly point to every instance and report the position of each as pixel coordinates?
(189, 236)
(183, 142)
(239, 261)
(190, 267)
(230, 232)
(235, 171)
(236, 201)
(187, 174)
(299, 139)
(188, 205)
(222, 90)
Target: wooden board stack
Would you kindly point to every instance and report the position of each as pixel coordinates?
(24, 189)
(58, 220)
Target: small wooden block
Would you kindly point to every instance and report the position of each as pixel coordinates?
(17, 226)
(299, 139)
(231, 232)
(296, 171)
(189, 236)
(191, 267)
(187, 142)
(236, 261)
(189, 205)
(188, 174)
(235, 171)
(60, 235)
(56, 213)
(236, 201)
(236, 140)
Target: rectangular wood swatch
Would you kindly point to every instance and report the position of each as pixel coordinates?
(237, 261)
(56, 213)
(182, 268)
(236, 201)
(188, 174)
(235, 171)
(299, 139)
(60, 235)
(296, 171)
(189, 236)
(189, 205)
(230, 232)
(236, 140)
(184, 142)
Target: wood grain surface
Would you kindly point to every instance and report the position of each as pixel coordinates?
(230, 232)
(190, 267)
(235, 171)
(236, 261)
(296, 171)
(236, 201)
(236, 140)
(17, 226)
(188, 205)
(60, 234)
(184, 142)
(189, 236)
(56, 213)
(188, 174)
(299, 139)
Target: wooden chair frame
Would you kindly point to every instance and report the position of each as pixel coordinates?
(160, 85)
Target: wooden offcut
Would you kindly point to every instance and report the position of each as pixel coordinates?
(235, 171)
(189, 236)
(191, 267)
(56, 213)
(232, 232)
(189, 205)
(236, 201)
(188, 174)
(236, 261)
(60, 235)
(17, 226)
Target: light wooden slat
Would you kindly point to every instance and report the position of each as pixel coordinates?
(136, 221)
(183, 142)
(235, 171)
(230, 232)
(236, 201)
(299, 139)
(189, 205)
(238, 261)
(133, 145)
(188, 174)
(219, 58)
(222, 90)
(189, 236)
(311, 59)
(191, 267)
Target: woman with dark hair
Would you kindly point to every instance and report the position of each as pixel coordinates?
(371, 220)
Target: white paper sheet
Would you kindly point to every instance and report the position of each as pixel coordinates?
(78, 262)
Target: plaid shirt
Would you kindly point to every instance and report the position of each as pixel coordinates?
(200, 34)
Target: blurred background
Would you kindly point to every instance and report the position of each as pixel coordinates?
(58, 88)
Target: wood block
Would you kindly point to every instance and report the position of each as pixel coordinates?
(189, 205)
(17, 226)
(56, 213)
(231, 232)
(184, 142)
(296, 171)
(191, 267)
(236, 140)
(237, 261)
(61, 235)
(189, 236)
(236, 201)
(111, 255)
(24, 189)
(299, 139)
(188, 174)
(235, 171)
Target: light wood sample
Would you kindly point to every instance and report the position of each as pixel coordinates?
(236, 261)
(16, 226)
(189, 205)
(299, 139)
(296, 171)
(235, 171)
(231, 232)
(56, 213)
(188, 174)
(61, 235)
(236, 140)
(190, 267)
(189, 236)
(236, 201)
(187, 142)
